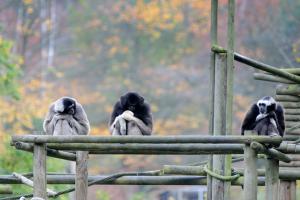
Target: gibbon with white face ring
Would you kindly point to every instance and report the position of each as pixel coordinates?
(66, 117)
(266, 117)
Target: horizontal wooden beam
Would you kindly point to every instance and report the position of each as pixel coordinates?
(290, 104)
(270, 152)
(129, 180)
(294, 132)
(259, 65)
(292, 164)
(292, 111)
(292, 118)
(50, 152)
(287, 174)
(292, 89)
(146, 140)
(289, 98)
(163, 149)
(5, 189)
(271, 78)
(290, 124)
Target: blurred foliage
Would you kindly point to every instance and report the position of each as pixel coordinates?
(9, 69)
(102, 195)
(139, 196)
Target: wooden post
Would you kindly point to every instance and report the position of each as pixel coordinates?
(213, 41)
(39, 171)
(287, 190)
(219, 123)
(250, 174)
(272, 179)
(81, 182)
(229, 92)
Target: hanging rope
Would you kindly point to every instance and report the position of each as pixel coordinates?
(219, 176)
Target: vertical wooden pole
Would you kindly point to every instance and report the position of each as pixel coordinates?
(39, 171)
(250, 174)
(287, 190)
(81, 181)
(213, 41)
(219, 123)
(272, 179)
(229, 96)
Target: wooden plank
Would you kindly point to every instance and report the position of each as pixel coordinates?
(39, 171)
(81, 182)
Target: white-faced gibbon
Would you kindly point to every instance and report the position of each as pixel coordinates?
(66, 117)
(131, 116)
(266, 117)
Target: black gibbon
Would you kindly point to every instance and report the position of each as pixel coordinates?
(131, 116)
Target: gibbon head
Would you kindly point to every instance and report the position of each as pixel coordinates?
(131, 101)
(65, 105)
(266, 105)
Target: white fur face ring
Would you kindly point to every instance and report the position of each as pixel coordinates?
(267, 101)
(59, 106)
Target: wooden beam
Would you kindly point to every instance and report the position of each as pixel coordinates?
(5, 189)
(287, 98)
(220, 138)
(291, 89)
(259, 65)
(292, 111)
(270, 152)
(271, 78)
(164, 149)
(292, 118)
(130, 180)
(290, 104)
(50, 152)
